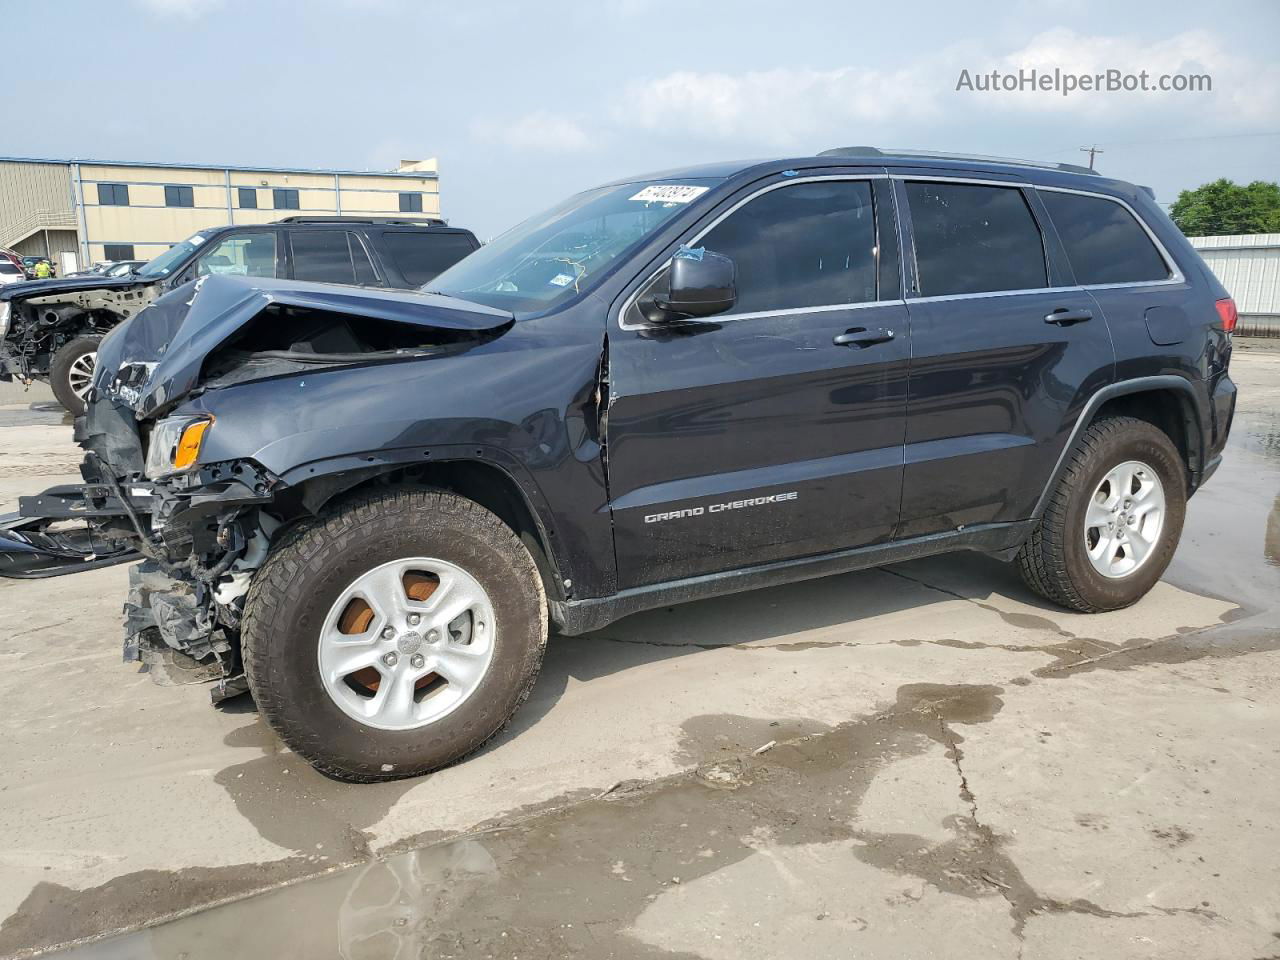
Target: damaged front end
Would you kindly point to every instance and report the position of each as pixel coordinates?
(199, 535)
(201, 525)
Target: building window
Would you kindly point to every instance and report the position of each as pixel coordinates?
(410, 203)
(179, 197)
(113, 194)
(118, 251)
(284, 199)
(248, 198)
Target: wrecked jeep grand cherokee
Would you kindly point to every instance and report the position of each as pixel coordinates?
(50, 329)
(366, 506)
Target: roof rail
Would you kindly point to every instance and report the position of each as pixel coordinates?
(937, 155)
(399, 221)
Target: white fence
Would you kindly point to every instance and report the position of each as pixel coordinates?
(1249, 267)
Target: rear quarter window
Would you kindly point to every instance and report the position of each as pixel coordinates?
(421, 256)
(1104, 243)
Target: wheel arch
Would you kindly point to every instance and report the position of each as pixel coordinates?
(483, 482)
(1168, 403)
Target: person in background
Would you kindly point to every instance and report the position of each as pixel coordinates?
(44, 270)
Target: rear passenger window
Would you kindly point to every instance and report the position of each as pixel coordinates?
(322, 255)
(805, 245)
(421, 256)
(974, 239)
(1104, 243)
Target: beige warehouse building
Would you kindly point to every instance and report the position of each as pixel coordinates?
(79, 212)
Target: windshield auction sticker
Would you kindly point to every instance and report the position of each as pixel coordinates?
(670, 193)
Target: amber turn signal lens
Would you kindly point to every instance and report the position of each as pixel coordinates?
(189, 445)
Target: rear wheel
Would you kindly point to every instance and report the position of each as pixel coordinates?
(1113, 521)
(395, 635)
(71, 372)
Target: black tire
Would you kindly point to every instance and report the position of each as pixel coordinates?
(62, 369)
(302, 578)
(1054, 561)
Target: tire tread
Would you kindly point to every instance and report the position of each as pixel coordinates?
(288, 561)
(1042, 561)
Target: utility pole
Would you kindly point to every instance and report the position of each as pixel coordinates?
(1091, 151)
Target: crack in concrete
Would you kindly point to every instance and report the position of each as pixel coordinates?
(997, 869)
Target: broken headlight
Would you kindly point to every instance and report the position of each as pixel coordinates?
(175, 445)
(4, 319)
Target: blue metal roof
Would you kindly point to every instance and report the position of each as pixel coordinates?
(239, 168)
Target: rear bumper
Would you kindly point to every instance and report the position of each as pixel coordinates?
(1224, 410)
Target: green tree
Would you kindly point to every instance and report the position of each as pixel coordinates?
(1224, 207)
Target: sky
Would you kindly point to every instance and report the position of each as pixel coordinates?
(525, 103)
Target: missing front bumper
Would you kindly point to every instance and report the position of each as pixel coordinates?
(30, 553)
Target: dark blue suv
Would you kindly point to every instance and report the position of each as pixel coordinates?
(367, 506)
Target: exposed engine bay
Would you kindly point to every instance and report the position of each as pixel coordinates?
(202, 529)
(33, 329)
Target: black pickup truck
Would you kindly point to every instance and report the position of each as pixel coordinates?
(50, 329)
(367, 507)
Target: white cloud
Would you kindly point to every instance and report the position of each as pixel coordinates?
(790, 106)
(1243, 92)
(180, 9)
(540, 130)
(779, 106)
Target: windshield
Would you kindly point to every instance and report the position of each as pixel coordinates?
(168, 261)
(557, 254)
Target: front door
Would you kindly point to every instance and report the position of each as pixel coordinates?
(775, 430)
(1005, 352)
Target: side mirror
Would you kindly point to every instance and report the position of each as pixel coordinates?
(701, 283)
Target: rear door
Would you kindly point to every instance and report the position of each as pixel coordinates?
(1005, 352)
(1148, 303)
(775, 430)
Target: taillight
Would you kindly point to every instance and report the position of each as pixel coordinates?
(1227, 313)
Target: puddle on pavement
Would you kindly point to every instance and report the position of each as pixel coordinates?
(572, 880)
(1230, 545)
(295, 807)
(35, 415)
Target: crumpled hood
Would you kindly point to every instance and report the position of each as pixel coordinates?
(153, 359)
(42, 288)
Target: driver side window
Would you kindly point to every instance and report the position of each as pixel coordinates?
(243, 255)
(801, 245)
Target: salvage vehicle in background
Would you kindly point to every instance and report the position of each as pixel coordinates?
(109, 268)
(366, 506)
(50, 329)
(11, 272)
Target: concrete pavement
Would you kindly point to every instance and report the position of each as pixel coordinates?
(917, 760)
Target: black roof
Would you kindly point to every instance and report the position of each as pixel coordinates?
(391, 221)
(1064, 174)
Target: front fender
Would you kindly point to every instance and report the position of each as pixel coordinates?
(529, 412)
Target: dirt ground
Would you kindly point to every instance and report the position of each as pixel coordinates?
(920, 760)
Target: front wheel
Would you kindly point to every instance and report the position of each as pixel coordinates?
(394, 635)
(1112, 522)
(71, 372)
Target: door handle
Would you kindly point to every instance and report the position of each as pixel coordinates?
(860, 337)
(1064, 317)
